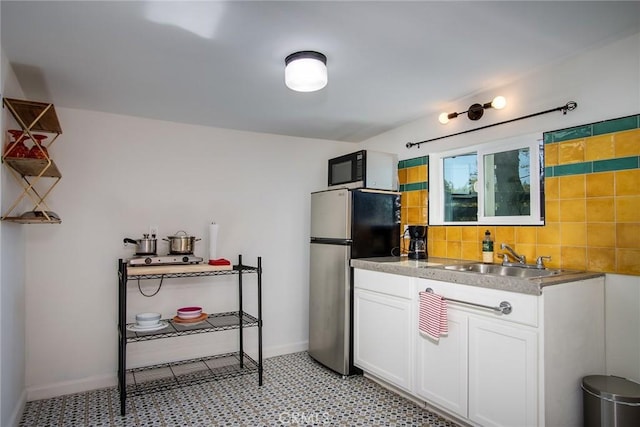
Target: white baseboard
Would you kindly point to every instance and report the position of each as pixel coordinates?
(273, 351)
(104, 381)
(16, 415)
(71, 387)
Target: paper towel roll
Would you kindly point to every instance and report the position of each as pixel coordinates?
(213, 240)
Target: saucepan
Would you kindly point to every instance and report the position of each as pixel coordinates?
(181, 244)
(144, 246)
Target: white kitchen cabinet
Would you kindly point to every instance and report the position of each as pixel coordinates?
(517, 369)
(485, 368)
(503, 373)
(441, 367)
(383, 326)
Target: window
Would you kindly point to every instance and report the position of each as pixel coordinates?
(494, 183)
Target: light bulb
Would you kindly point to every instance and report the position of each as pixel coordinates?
(443, 118)
(499, 102)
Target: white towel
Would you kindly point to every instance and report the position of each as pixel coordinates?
(433, 315)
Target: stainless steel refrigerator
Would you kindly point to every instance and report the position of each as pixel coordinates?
(345, 224)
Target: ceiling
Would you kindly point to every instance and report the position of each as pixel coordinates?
(221, 63)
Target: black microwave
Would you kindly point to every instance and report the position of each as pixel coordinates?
(364, 169)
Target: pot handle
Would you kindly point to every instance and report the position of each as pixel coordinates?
(196, 240)
(181, 231)
(128, 240)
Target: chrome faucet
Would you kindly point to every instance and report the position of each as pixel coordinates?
(505, 257)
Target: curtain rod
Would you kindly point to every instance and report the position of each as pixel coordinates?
(569, 106)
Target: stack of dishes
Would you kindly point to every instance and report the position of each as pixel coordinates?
(190, 315)
(147, 322)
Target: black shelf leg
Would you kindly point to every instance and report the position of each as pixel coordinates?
(259, 321)
(240, 312)
(122, 337)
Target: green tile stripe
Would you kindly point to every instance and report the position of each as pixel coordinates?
(610, 165)
(414, 186)
(593, 129)
(417, 161)
(616, 164)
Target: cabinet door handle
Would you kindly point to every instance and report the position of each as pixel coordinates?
(504, 307)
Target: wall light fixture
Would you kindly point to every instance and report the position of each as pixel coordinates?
(475, 111)
(305, 71)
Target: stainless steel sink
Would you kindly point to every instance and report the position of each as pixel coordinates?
(501, 270)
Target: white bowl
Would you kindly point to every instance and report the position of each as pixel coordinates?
(147, 319)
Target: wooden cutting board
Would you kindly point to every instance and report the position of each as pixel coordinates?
(170, 269)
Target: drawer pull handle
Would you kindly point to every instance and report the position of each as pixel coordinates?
(504, 307)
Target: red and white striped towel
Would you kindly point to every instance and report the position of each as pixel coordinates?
(433, 315)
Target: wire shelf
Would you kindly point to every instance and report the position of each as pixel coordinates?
(168, 376)
(215, 322)
(236, 269)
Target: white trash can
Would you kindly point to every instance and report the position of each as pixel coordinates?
(610, 401)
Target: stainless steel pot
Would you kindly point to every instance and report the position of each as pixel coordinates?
(181, 244)
(144, 246)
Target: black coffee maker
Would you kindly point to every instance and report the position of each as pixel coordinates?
(417, 242)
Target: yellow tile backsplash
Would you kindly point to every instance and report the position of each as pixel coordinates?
(571, 151)
(592, 218)
(628, 209)
(417, 174)
(572, 186)
(599, 147)
(627, 143)
(551, 154)
(601, 209)
(600, 184)
(572, 210)
(627, 261)
(627, 182)
(601, 234)
(627, 235)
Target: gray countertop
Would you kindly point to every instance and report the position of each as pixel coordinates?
(432, 268)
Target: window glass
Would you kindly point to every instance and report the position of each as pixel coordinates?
(508, 183)
(460, 194)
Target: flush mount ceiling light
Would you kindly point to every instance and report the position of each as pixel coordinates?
(305, 71)
(475, 111)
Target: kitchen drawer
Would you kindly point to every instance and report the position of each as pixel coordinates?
(385, 283)
(524, 306)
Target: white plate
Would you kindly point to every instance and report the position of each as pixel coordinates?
(136, 328)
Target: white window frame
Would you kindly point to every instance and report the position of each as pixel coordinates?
(436, 182)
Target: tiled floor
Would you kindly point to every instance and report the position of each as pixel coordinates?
(296, 391)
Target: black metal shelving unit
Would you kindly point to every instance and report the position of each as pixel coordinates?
(164, 376)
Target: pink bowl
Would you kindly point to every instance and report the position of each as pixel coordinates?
(189, 312)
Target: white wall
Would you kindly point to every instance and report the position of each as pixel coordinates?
(12, 271)
(121, 175)
(605, 83)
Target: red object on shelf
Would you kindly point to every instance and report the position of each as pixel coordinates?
(16, 148)
(220, 261)
(38, 151)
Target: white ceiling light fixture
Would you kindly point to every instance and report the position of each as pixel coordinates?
(305, 71)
